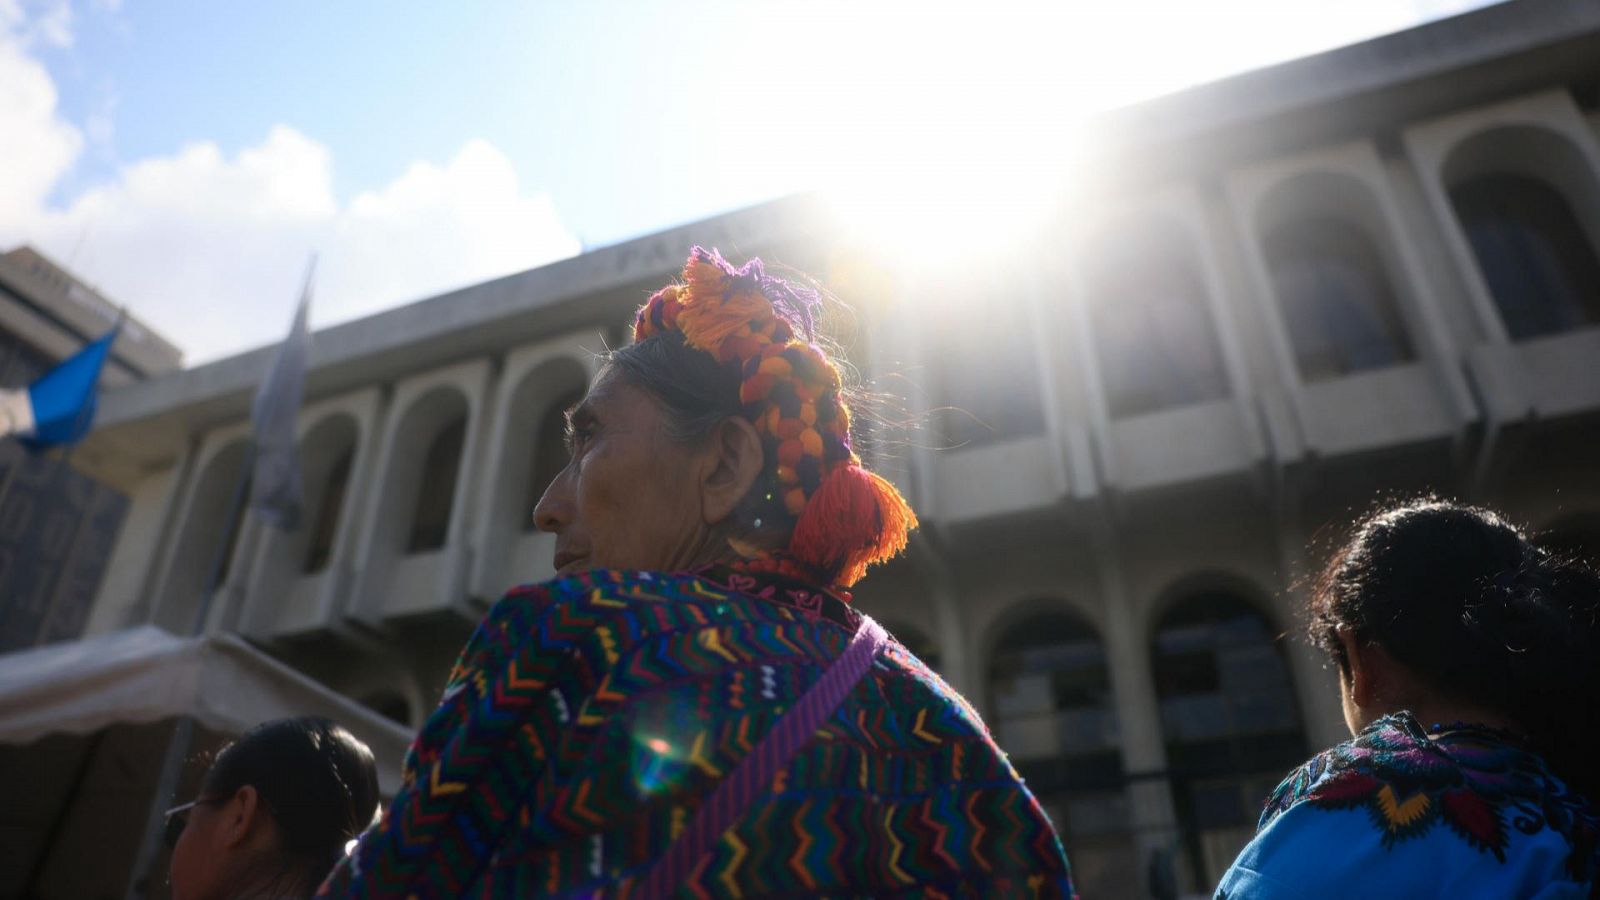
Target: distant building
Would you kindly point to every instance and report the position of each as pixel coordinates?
(1371, 270)
(56, 525)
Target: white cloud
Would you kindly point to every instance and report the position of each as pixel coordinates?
(209, 248)
(389, 243)
(36, 145)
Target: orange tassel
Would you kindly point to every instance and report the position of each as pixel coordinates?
(707, 321)
(854, 519)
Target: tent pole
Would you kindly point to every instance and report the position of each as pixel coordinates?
(155, 822)
(183, 733)
(231, 525)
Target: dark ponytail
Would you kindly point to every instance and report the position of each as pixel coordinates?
(1469, 605)
(318, 781)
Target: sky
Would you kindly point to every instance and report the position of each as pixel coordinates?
(187, 157)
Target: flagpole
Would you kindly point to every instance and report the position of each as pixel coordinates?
(183, 732)
(231, 526)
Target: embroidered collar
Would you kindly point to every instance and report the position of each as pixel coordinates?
(807, 599)
(1479, 782)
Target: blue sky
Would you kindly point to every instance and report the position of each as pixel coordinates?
(187, 156)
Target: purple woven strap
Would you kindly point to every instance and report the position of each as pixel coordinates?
(755, 772)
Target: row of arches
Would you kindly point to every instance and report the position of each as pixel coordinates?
(415, 496)
(1525, 199)
(1228, 715)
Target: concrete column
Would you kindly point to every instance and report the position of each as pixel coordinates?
(951, 636)
(949, 631)
(1152, 813)
(1316, 683)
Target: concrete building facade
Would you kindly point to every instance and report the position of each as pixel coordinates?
(57, 525)
(1370, 272)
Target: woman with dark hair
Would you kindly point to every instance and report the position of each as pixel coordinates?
(275, 812)
(692, 707)
(1469, 665)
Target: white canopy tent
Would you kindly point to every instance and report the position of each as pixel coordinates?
(83, 726)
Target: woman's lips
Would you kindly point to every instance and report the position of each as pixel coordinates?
(565, 559)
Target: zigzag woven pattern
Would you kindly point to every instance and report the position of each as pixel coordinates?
(589, 717)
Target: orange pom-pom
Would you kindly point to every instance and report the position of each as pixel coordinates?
(812, 442)
(794, 500)
(708, 318)
(756, 387)
(854, 520)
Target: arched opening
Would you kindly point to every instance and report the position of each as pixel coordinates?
(1529, 205)
(1053, 714)
(436, 488)
(215, 515)
(1540, 268)
(981, 396)
(1230, 722)
(329, 510)
(1337, 300)
(549, 455)
(1154, 335)
(389, 704)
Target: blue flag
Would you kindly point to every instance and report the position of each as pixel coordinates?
(58, 408)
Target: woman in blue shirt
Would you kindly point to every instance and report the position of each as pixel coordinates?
(1470, 677)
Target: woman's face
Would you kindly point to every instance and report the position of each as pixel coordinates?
(629, 498)
(199, 866)
(222, 844)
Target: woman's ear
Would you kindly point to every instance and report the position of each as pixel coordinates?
(1377, 683)
(734, 462)
(1356, 671)
(241, 816)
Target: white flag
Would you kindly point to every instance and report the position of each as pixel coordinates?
(275, 486)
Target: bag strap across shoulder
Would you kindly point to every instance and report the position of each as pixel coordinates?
(755, 772)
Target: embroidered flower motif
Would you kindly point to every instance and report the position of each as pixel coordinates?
(1474, 781)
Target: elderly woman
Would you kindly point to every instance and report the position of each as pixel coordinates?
(692, 707)
(1469, 663)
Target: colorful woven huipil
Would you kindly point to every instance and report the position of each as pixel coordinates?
(1403, 811)
(589, 716)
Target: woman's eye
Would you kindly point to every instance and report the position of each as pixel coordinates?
(578, 438)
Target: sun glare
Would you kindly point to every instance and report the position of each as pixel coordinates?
(936, 134)
(944, 130)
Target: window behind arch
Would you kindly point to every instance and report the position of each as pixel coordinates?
(1155, 338)
(1540, 266)
(549, 453)
(235, 528)
(1052, 711)
(1230, 722)
(330, 507)
(390, 705)
(430, 523)
(1336, 298)
(985, 373)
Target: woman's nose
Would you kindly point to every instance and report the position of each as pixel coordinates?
(554, 509)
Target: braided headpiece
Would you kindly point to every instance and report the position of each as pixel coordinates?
(846, 518)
